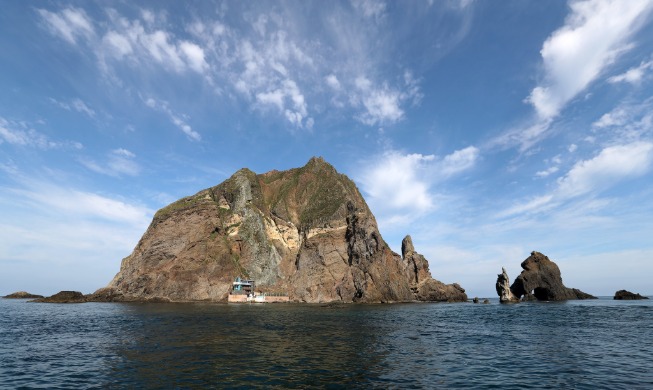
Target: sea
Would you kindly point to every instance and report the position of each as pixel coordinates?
(591, 344)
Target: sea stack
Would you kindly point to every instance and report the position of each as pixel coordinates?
(540, 280)
(305, 232)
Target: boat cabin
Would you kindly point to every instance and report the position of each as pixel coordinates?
(243, 286)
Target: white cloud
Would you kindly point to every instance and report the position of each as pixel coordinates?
(398, 181)
(332, 81)
(611, 165)
(382, 104)
(547, 172)
(523, 137)
(634, 75)
(460, 160)
(75, 105)
(627, 122)
(370, 8)
(382, 107)
(21, 135)
(69, 24)
(589, 177)
(572, 148)
(594, 34)
(178, 120)
(398, 185)
(119, 162)
(289, 100)
(616, 117)
(118, 45)
(194, 56)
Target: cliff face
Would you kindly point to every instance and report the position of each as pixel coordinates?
(306, 232)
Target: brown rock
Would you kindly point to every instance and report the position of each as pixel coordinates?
(307, 232)
(22, 295)
(64, 297)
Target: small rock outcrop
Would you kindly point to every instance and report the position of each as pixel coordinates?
(64, 297)
(503, 288)
(22, 295)
(540, 280)
(627, 296)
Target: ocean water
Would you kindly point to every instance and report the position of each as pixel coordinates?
(594, 344)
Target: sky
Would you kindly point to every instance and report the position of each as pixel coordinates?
(485, 130)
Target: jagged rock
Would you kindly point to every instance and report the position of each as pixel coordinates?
(540, 280)
(307, 232)
(486, 301)
(503, 288)
(64, 297)
(475, 300)
(627, 295)
(22, 295)
(416, 264)
(422, 283)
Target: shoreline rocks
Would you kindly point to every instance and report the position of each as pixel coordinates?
(624, 295)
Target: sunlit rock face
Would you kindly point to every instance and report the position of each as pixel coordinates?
(306, 232)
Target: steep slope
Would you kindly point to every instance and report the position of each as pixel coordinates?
(306, 232)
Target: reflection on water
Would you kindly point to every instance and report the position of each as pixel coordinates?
(583, 344)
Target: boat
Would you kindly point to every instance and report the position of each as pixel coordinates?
(244, 291)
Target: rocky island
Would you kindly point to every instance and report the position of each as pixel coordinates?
(22, 295)
(540, 280)
(305, 232)
(624, 295)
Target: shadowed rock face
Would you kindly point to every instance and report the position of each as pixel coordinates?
(306, 232)
(627, 295)
(540, 280)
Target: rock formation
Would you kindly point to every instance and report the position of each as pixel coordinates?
(627, 295)
(22, 295)
(540, 280)
(306, 232)
(503, 288)
(64, 297)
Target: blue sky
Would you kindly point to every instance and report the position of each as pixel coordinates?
(485, 130)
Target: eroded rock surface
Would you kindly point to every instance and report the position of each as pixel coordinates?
(306, 232)
(540, 280)
(503, 288)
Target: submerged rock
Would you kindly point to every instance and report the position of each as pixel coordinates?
(22, 295)
(627, 295)
(540, 280)
(64, 297)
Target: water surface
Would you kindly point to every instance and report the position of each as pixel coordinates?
(576, 344)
